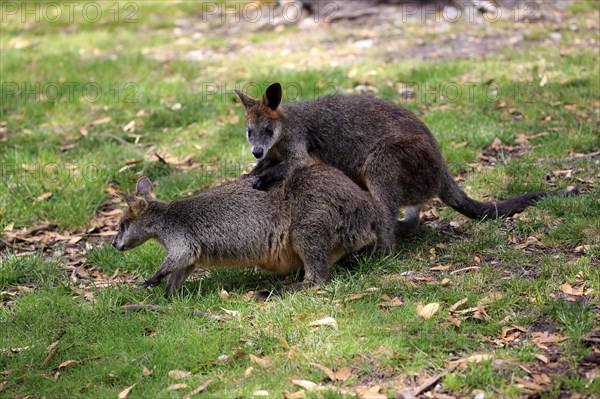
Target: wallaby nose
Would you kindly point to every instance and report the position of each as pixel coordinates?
(258, 153)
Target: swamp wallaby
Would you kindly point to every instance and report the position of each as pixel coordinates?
(381, 146)
(309, 221)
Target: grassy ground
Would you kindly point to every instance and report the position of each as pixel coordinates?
(161, 82)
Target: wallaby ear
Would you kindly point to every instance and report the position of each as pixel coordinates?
(248, 101)
(272, 97)
(137, 206)
(144, 188)
(125, 197)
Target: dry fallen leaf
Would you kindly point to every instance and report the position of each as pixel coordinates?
(390, 302)
(492, 297)
(295, 395)
(43, 196)
(458, 304)
(176, 387)
(67, 363)
(248, 372)
(329, 372)
(569, 290)
(261, 361)
(102, 121)
(146, 372)
(248, 296)
(231, 312)
(327, 321)
(343, 374)
(475, 358)
(481, 313)
(223, 294)
(179, 374)
(51, 351)
(440, 268)
(465, 269)
(308, 385)
(353, 297)
(543, 338)
(528, 384)
(453, 320)
(509, 334)
(542, 358)
(199, 389)
(340, 375)
(428, 310)
(124, 393)
(479, 357)
(130, 127)
(370, 393)
(261, 393)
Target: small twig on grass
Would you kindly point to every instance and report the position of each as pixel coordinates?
(138, 307)
(497, 391)
(123, 141)
(464, 269)
(36, 229)
(161, 159)
(430, 383)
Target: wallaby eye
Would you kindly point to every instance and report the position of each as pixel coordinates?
(269, 131)
(249, 132)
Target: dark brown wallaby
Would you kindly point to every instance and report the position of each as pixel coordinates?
(381, 146)
(309, 221)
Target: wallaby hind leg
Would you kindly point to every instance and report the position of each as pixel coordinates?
(409, 225)
(177, 279)
(311, 246)
(401, 172)
(387, 210)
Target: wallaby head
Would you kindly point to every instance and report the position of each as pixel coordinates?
(134, 227)
(263, 119)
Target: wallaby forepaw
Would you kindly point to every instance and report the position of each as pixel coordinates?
(261, 183)
(266, 180)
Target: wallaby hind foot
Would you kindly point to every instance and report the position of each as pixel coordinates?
(409, 225)
(177, 279)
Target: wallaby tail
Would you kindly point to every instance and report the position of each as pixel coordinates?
(452, 195)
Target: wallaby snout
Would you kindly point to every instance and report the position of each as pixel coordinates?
(258, 153)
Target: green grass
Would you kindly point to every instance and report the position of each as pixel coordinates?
(143, 66)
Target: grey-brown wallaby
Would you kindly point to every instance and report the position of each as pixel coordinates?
(381, 146)
(308, 221)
